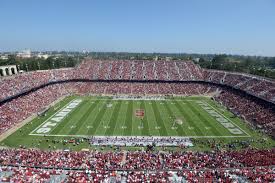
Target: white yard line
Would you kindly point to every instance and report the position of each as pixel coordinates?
(152, 125)
(226, 118)
(123, 119)
(89, 122)
(110, 116)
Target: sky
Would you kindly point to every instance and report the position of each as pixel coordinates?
(245, 27)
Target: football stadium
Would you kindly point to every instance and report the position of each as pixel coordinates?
(140, 91)
(139, 120)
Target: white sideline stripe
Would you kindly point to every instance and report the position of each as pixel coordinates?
(51, 116)
(136, 136)
(226, 118)
(146, 100)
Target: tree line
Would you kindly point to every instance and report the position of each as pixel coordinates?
(33, 64)
(262, 66)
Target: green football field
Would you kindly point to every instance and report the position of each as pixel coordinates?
(90, 116)
(77, 117)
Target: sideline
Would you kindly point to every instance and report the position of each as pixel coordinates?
(184, 137)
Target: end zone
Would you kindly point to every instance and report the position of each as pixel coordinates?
(47, 126)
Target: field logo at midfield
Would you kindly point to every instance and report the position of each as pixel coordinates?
(224, 122)
(55, 119)
(139, 113)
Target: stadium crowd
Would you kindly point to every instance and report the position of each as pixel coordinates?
(140, 166)
(139, 70)
(22, 174)
(97, 69)
(255, 85)
(254, 111)
(26, 106)
(19, 83)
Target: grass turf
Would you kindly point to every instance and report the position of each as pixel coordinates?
(102, 116)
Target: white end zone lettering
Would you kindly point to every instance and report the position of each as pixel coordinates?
(56, 118)
(232, 128)
(43, 130)
(48, 124)
(235, 131)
